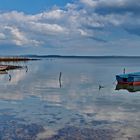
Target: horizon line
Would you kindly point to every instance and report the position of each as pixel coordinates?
(49, 55)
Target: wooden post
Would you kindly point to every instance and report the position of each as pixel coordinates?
(60, 75)
(124, 71)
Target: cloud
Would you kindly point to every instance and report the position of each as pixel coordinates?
(91, 3)
(2, 36)
(53, 14)
(90, 21)
(49, 27)
(117, 6)
(121, 13)
(45, 28)
(18, 37)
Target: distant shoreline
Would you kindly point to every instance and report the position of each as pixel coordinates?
(38, 57)
(77, 56)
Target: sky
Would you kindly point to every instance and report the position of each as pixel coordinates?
(70, 27)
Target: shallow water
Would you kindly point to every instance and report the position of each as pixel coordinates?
(36, 104)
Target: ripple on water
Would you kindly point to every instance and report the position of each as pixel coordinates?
(15, 129)
(76, 133)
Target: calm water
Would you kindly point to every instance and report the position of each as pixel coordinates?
(35, 104)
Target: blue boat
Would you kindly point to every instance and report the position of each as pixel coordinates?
(131, 78)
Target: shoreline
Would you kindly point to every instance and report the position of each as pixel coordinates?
(15, 59)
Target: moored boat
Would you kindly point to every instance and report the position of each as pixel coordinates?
(130, 79)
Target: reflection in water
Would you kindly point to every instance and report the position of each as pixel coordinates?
(75, 133)
(9, 77)
(13, 128)
(3, 72)
(130, 88)
(36, 98)
(10, 68)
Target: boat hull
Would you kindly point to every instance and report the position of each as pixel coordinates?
(130, 79)
(129, 83)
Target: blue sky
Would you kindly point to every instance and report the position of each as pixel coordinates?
(70, 27)
(31, 6)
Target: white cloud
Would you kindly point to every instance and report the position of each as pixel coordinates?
(54, 14)
(110, 3)
(2, 36)
(46, 28)
(80, 22)
(90, 2)
(18, 37)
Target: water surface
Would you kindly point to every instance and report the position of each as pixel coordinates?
(83, 103)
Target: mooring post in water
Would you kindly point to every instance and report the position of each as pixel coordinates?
(124, 71)
(60, 75)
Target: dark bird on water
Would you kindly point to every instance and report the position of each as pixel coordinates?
(100, 87)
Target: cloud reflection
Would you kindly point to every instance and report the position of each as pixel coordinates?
(79, 98)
